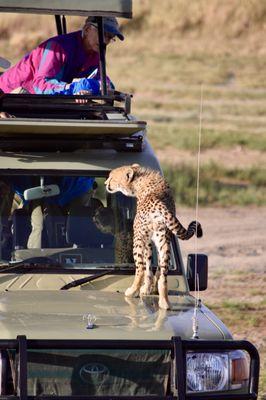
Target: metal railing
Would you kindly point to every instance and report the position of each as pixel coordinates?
(176, 346)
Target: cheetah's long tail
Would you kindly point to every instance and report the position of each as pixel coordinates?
(193, 228)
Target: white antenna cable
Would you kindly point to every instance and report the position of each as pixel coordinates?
(196, 285)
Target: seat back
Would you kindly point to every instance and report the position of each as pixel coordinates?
(21, 228)
(55, 230)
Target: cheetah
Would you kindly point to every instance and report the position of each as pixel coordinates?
(154, 222)
(105, 221)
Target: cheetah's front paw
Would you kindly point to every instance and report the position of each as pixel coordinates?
(164, 303)
(132, 292)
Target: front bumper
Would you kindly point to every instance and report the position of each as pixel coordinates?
(176, 346)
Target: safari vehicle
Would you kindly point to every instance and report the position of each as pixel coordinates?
(66, 328)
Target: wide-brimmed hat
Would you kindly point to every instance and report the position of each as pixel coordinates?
(4, 63)
(110, 25)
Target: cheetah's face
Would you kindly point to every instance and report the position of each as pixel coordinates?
(120, 180)
(104, 220)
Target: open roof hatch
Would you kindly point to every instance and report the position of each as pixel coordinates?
(103, 118)
(60, 8)
(115, 8)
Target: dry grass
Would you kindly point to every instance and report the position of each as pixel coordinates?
(212, 24)
(232, 27)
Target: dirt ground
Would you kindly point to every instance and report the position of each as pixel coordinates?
(234, 238)
(235, 241)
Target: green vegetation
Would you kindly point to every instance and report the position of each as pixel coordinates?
(240, 306)
(163, 135)
(235, 313)
(218, 185)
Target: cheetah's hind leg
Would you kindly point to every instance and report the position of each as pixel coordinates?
(147, 287)
(164, 259)
(155, 280)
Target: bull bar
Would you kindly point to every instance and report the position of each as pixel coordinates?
(176, 345)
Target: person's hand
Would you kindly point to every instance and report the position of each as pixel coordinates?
(89, 85)
(4, 114)
(109, 85)
(81, 100)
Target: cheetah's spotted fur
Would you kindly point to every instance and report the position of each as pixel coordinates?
(154, 221)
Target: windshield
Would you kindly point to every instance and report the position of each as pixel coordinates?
(66, 220)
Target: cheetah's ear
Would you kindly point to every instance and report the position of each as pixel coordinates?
(130, 174)
(135, 166)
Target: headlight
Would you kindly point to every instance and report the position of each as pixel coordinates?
(214, 372)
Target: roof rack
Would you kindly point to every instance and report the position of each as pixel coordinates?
(65, 107)
(49, 123)
(116, 8)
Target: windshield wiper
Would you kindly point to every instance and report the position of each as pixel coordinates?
(31, 263)
(79, 282)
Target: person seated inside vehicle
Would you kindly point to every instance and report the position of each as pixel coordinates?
(4, 114)
(64, 64)
(41, 217)
(75, 192)
(18, 211)
(4, 64)
(7, 205)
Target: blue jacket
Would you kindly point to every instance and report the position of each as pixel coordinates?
(70, 187)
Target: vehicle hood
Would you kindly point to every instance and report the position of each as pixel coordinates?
(61, 315)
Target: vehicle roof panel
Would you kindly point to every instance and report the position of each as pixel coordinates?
(118, 8)
(81, 160)
(34, 127)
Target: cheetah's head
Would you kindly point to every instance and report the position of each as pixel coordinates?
(104, 219)
(120, 180)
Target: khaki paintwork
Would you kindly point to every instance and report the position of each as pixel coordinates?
(81, 160)
(108, 283)
(119, 8)
(33, 305)
(19, 127)
(46, 314)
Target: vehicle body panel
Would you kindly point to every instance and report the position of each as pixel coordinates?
(59, 315)
(81, 160)
(112, 282)
(119, 8)
(20, 127)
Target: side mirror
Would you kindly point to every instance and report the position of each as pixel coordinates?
(41, 191)
(197, 264)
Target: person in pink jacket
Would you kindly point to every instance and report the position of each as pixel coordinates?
(4, 64)
(51, 67)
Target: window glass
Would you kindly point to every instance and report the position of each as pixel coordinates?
(66, 220)
(69, 219)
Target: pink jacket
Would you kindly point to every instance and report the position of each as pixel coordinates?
(50, 66)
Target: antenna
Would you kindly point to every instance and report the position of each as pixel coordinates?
(197, 305)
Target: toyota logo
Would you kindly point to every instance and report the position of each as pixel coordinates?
(93, 372)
